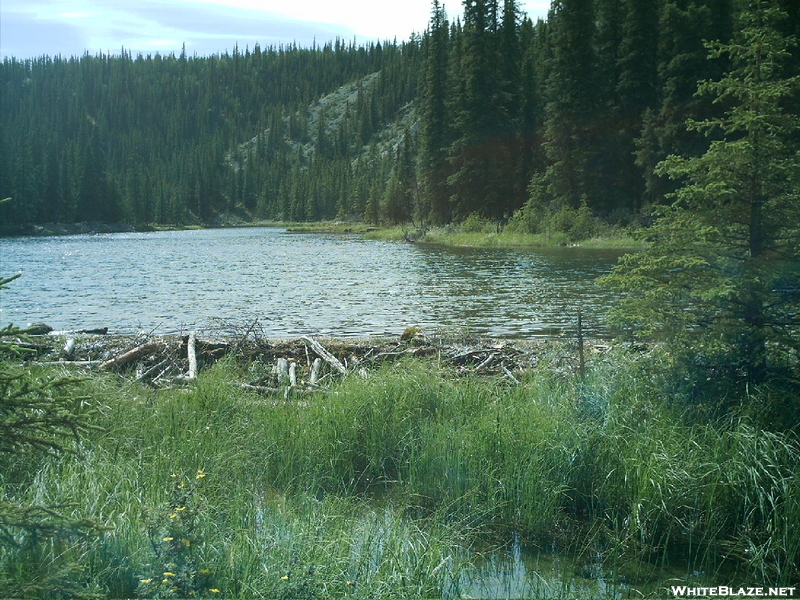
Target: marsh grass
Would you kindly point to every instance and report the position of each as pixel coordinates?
(380, 486)
(506, 238)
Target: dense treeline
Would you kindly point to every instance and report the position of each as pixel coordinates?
(177, 139)
(490, 113)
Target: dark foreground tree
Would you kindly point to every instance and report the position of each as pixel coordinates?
(38, 416)
(720, 281)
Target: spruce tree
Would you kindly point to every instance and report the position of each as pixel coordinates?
(683, 27)
(475, 154)
(636, 92)
(434, 132)
(720, 282)
(572, 121)
(40, 415)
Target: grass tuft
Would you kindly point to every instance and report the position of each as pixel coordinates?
(383, 485)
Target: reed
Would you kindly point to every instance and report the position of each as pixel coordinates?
(506, 238)
(380, 486)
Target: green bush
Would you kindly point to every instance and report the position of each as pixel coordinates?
(475, 223)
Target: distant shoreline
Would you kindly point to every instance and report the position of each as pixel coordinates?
(441, 236)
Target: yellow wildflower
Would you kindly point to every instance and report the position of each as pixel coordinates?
(145, 580)
(165, 581)
(169, 574)
(200, 474)
(168, 539)
(174, 475)
(173, 516)
(180, 508)
(214, 591)
(351, 583)
(285, 578)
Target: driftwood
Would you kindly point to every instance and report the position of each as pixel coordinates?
(260, 388)
(325, 355)
(70, 363)
(131, 355)
(486, 362)
(315, 369)
(149, 374)
(301, 365)
(510, 375)
(282, 371)
(192, 356)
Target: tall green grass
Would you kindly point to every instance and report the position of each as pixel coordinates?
(453, 236)
(377, 487)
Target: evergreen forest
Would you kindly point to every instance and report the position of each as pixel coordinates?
(643, 469)
(485, 113)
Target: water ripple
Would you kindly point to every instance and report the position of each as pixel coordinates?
(296, 284)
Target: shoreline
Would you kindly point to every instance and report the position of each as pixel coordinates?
(440, 236)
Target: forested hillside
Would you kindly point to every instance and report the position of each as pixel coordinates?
(487, 112)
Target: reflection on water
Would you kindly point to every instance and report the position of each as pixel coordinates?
(527, 572)
(295, 284)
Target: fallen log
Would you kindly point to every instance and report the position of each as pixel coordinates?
(315, 368)
(260, 388)
(69, 363)
(486, 362)
(325, 355)
(285, 391)
(282, 370)
(510, 375)
(190, 349)
(99, 331)
(149, 372)
(131, 355)
(469, 355)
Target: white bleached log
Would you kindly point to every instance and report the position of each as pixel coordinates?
(315, 369)
(325, 355)
(192, 353)
(282, 370)
(131, 355)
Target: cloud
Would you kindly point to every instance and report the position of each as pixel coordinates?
(30, 28)
(47, 27)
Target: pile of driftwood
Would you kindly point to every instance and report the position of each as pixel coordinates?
(305, 364)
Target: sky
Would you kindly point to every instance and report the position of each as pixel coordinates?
(32, 28)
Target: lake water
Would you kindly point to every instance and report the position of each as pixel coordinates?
(222, 280)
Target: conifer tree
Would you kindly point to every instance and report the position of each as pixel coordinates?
(684, 25)
(572, 105)
(401, 189)
(720, 280)
(636, 92)
(434, 134)
(38, 417)
(477, 154)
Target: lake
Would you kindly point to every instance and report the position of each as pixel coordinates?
(219, 281)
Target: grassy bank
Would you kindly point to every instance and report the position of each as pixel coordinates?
(377, 487)
(455, 235)
(484, 235)
(448, 236)
(451, 235)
